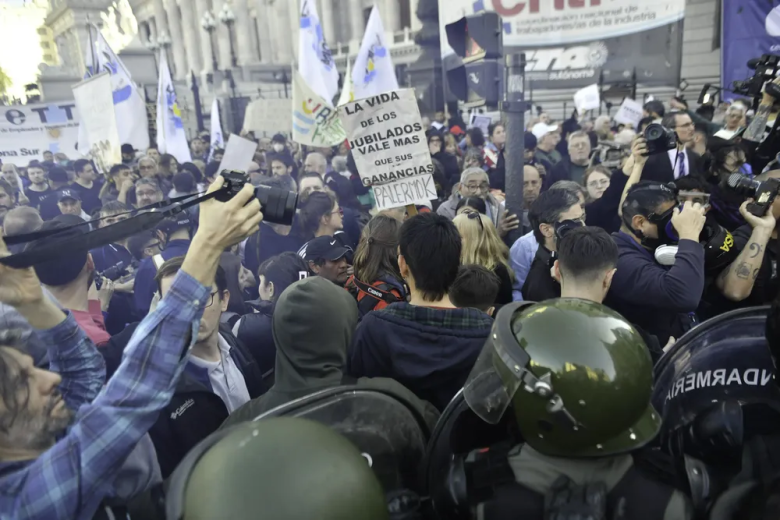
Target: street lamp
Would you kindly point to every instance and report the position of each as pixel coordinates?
(227, 17)
(209, 25)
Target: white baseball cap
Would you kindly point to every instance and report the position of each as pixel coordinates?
(541, 129)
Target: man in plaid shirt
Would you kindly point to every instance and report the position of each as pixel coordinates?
(63, 439)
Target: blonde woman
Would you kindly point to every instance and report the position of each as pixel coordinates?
(482, 246)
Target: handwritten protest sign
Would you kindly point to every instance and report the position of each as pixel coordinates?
(481, 122)
(314, 121)
(587, 98)
(630, 113)
(388, 143)
(238, 154)
(95, 101)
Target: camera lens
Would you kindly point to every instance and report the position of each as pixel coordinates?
(743, 185)
(654, 132)
(278, 205)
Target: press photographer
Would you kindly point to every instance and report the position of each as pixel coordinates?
(671, 158)
(763, 150)
(660, 299)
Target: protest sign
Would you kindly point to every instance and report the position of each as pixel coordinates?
(314, 121)
(26, 131)
(630, 113)
(587, 98)
(238, 154)
(95, 101)
(480, 121)
(266, 117)
(388, 143)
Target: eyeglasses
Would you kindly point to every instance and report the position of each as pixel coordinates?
(211, 299)
(581, 144)
(474, 215)
(686, 125)
(340, 211)
(483, 186)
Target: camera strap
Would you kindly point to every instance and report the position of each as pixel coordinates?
(144, 220)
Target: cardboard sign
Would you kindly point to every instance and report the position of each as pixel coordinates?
(388, 142)
(630, 113)
(587, 98)
(95, 101)
(482, 122)
(238, 154)
(266, 117)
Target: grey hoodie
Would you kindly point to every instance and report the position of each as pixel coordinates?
(313, 324)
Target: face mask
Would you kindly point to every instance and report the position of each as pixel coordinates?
(278, 147)
(666, 232)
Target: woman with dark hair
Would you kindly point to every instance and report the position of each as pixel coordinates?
(254, 329)
(168, 165)
(376, 266)
(196, 174)
(320, 215)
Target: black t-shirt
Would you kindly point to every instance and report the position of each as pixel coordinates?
(540, 285)
(505, 288)
(36, 197)
(90, 197)
(47, 203)
(766, 286)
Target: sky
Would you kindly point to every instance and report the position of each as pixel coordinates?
(19, 21)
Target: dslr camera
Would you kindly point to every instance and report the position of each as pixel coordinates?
(278, 205)
(659, 139)
(611, 154)
(763, 193)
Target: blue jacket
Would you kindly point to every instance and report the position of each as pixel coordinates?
(660, 299)
(429, 351)
(145, 287)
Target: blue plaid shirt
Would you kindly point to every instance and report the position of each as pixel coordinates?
(70, 480)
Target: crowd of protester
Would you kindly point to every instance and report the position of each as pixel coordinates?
(100, 404)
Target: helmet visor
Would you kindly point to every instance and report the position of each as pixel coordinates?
(497, 374)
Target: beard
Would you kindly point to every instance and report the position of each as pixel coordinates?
(39, 431)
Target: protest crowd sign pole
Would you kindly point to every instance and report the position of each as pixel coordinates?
(513, 109)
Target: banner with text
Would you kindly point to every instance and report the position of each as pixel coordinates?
(26, 131)
(391, 153)
(314, 121)
(95, 101)
(750, 30)
(629, 113)
(569, 43)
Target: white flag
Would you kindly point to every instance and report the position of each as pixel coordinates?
(315, 60)
(217, 139)
(348, 88)
(89, 63)
(374, 72)
(171, 137)
(129, 104)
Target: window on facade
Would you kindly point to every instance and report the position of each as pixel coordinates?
(45, 45)
(406, 13)
(42, 31)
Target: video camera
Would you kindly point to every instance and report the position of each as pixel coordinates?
(278, 207)
(763, 193)
(113, 273)
(766, 67)
(611, 154)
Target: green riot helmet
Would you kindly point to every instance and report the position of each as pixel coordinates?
(282, 468)
(577, 374)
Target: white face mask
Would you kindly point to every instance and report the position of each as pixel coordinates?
(278, 147)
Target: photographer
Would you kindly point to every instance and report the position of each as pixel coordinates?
(64, 439)
(751, 279)
(762, 150)
(658, 298)
(677, 162)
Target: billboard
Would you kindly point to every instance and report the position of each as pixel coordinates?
(571, 43)
(750, 29)
(26, 131)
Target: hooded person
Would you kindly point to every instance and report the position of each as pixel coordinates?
(311, 353)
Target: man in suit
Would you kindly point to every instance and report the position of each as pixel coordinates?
(677, 162)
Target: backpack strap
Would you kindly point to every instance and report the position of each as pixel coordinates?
(377, 292)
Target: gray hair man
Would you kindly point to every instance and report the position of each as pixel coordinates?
(572, 168)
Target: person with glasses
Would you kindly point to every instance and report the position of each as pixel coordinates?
(573, 167)
(596, 181)
(678, 162)
(321, 216)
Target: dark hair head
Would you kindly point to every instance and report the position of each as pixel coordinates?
(656, 107)
(79, 165)
(477, 137)
(692, 183)
(58, 174)
(475, 286)
(212, 170)
(377, 251)
(282, 270)
(644, 122)
(137, 243)
(36, 164)
(67, 265)
(316, 206)
(530, 141)
(586, 252)
(478, 203)
(492, 127)
(431, 247)
(547, 209)
(173, 266)
(193, 169)
(166, 159)
(644, 198)
(113, 207)
(184, 182)
(117, 168)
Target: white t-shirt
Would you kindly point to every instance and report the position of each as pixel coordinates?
(227, 381)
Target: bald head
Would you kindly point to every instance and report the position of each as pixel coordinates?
(316, 162)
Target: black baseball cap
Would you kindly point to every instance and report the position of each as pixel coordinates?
(128, 148)
(325, 247)
(68, 194)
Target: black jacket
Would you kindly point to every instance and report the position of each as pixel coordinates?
(254, 331)
(659, 167)
(540, 285)
(603, 212)
(662, 300)
(195, 411)
(560, 172)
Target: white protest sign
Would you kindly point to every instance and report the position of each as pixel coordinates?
(388, 143)
(480, 121)
(630, 113)
(266, 117)
(238, 154)
(95, 101)
(587, 98)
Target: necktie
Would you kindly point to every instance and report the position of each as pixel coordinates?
(681, 163)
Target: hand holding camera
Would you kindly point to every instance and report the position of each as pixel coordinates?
(639, 150)
(689, 222)
(771, 92)
(766, 223)
(226, 223)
